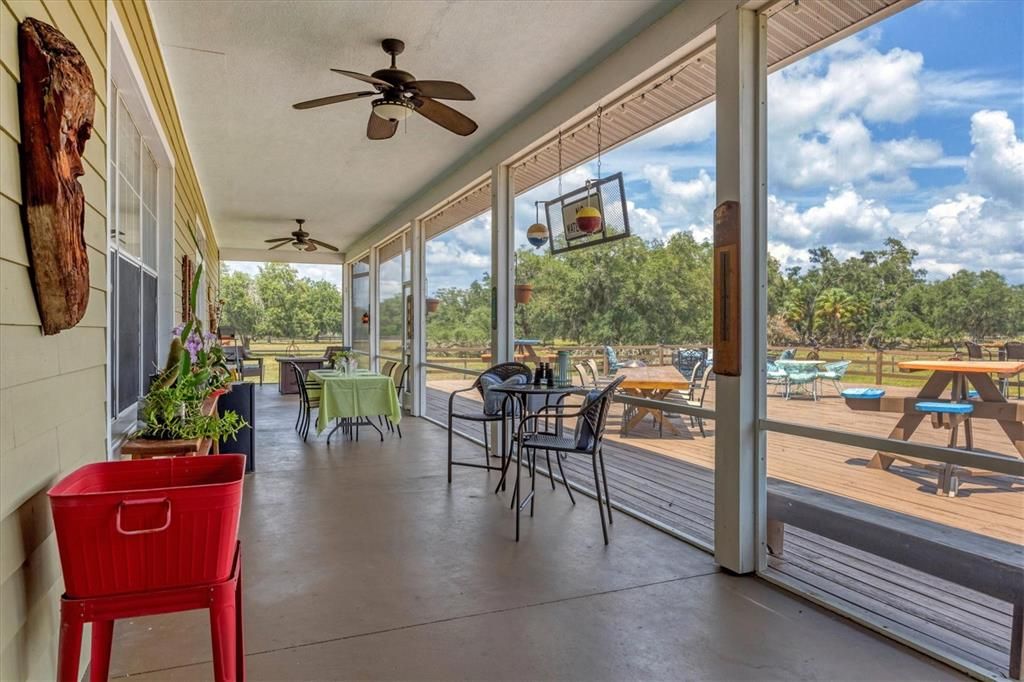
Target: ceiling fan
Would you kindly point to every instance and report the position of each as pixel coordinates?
(400, 95)
(300, 239)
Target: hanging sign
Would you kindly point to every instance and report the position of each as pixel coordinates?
(604, 199)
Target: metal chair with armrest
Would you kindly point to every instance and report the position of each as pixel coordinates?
(587, 440)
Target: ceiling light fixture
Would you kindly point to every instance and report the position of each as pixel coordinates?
(392, 109)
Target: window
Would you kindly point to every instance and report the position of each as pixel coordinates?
(134, 253)
(361, 309)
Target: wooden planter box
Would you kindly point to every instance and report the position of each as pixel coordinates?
(144, 448)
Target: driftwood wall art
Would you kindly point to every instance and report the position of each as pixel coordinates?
(57, 108)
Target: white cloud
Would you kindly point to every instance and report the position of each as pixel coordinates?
(818, 113)
(997, 160)
(682, 204)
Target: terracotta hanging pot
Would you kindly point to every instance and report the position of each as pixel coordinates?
(524, 292)
(432, 305)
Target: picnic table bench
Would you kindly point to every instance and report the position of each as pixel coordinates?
(987, 565)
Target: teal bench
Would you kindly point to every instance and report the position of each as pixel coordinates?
(863, 393)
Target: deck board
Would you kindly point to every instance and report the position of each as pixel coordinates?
(670, 480)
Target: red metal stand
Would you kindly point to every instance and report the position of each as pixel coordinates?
(223, 599)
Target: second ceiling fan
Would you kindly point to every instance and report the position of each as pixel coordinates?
(401, 95)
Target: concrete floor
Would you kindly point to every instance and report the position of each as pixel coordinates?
(362, 563)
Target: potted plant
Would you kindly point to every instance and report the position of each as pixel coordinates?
(179, 413)
(432, 305)
(344, 359)
(524, 292)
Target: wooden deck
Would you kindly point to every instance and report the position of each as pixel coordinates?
(670, 480)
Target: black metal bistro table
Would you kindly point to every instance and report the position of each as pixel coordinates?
(523, 393)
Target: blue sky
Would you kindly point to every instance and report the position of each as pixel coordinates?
(911, 128)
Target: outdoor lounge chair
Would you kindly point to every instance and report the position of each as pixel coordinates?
(797, 377)
(976, 352)
(243, 356)
(834, 372)
(775, 376)
(611, 360)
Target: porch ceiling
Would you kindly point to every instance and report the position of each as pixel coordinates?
(237, 67)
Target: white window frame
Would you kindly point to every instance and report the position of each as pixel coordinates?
(125, 82)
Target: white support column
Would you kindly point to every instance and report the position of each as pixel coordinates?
(373, 308)
(741, 135)
(502, 264)
(418, 350)
(346, 303)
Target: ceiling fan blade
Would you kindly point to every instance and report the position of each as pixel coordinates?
(324, 244)
(333, 99)
(279, 239)
(442, 90)
(278, 246)
(444, 116)
(378, 128)
(362, 77)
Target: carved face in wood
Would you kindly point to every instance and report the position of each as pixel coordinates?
(57, 110)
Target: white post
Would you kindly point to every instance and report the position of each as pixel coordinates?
(346, 303)
(373, 308)
(419, 320)
(740, 134)
(502, 264)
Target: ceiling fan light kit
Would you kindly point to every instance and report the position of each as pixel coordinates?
(401, 95)
(392, 110)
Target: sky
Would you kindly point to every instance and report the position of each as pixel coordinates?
(911, 128)
(315, 271)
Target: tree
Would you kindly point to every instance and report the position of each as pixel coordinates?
(281, 293)
(242, 309)
(323, 303)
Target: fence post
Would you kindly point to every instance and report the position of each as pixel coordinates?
(878, 367)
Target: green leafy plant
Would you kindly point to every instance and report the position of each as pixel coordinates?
(195, 368)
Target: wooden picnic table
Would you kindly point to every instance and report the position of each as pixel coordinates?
(956, 375)
(653, 383)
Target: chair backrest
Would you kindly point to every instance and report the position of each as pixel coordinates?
(705, 379)
(813, 355)
(1014, 350)
(838, 368)
(503, 371)
(592, 366)
(403, 374)
(788, 354)
(331, 350)
(610, 355)
(688, 360)
(973, 350)
(595, 412)
(300, 381)
(388, 369)
(584, 374)
(698, 370)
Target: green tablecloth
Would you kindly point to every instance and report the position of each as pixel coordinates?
(355, 395)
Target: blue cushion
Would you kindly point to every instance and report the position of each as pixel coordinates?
(946, 408)
(493, 400)
(584, 434)
(972, 393)
(863, 393)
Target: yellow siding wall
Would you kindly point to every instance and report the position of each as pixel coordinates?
(188, 197)
(53, 388)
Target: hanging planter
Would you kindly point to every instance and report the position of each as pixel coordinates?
(432, 305)
(524, 292)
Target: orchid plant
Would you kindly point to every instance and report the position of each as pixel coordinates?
(196, 367)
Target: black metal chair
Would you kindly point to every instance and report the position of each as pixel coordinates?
(403, 374)
(501, 372)
(1013, 350)
(309, 397)
(587, 440)
(975, 351)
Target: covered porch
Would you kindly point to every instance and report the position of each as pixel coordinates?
(361, 562)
